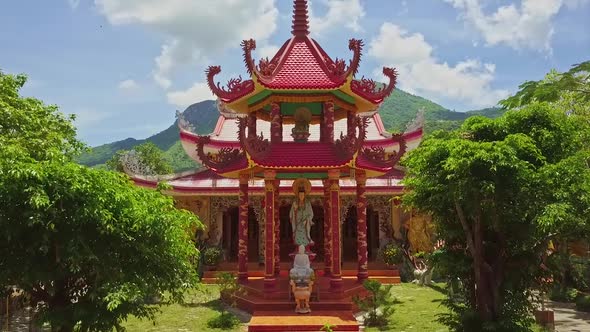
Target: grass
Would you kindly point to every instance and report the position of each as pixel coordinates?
(191, 316)
(416, 310)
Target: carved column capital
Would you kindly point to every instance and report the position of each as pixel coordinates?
(361, 178)
(270, 175)
(334, 174)
(244, 178)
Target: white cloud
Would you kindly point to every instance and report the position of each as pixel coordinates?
(74, 3)
(267, 51)
(340, 13)
(86, 117)
(468, 81)
(526, 26)
(195, 29)
(198, 92)
(128, 86)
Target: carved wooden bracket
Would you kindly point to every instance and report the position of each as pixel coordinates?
(378, 155)
(224, 157)
(236, 87)
(348, 145)
(256, 146)
(371, 90)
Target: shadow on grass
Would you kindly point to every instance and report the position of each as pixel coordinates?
(438, 288)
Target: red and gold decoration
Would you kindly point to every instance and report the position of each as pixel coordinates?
(361, 226)
(243, 230)
(334, 207)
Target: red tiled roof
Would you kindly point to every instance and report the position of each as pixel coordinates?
(207, 182)
(301, 66)
(297, 155)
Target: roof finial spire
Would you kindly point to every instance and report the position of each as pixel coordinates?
(300, 18)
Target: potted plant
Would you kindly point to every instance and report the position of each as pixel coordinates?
(392, 255)
(212, 257)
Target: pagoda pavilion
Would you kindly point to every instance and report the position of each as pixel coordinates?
(300, 115)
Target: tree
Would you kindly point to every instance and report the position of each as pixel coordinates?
(571, 89)
(147, 155)
(42, 131)
(87, 245)
(492, 188)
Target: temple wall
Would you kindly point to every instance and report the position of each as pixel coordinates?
(210, 212)
(393, 219)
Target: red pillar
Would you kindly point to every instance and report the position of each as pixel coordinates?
(243, 230)
(277, 221)
(251, 124)
(276, 123)
(327, 227)
(269, 224)
(336, 278)
(329, 121)
(350, 123)
(361, 225)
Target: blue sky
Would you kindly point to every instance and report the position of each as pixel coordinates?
(125, 66)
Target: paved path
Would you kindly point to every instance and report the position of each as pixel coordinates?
(567, 319)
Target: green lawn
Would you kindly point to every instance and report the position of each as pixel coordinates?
(192, 315)
(416, 310)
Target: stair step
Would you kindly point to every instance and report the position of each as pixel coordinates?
(270, 321)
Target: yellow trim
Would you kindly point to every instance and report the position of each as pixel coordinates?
(241, 105)
(362, 105)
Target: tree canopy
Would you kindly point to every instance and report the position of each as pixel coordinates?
(147, 156)
(87, 245)
(571, 89)
(498, 190)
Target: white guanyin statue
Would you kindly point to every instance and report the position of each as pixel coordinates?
(301, 276)
(301, 214)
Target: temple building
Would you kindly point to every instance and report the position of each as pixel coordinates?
(301, 124)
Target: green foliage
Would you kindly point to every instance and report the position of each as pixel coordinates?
(212, 256)
(148, 154)
(378, 304)
(573, 84)
(86, 244)
(498, 190)
(225, 321)
(41, 130)
(229, 287)
(202, 116)
(328, 327)
(583, 303)
(178, 159)
(563, 295)
(392, 254)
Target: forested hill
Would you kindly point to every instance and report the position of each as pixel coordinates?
(396, 111)
(203, 116)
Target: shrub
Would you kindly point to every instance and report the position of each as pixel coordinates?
(563, 295)
(378, 304)
(212, 256)
(225, 321)
(583, 303)
(392, 254)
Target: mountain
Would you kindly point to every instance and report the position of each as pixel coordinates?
(396, 111)
(203, 116)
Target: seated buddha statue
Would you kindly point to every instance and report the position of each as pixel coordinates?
(300, 132)
(301, 276)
